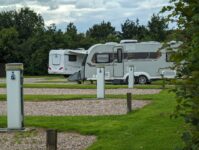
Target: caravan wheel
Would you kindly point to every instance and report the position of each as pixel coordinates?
(142, 79)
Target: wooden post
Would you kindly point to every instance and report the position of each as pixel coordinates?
(51, 139)
(129, 98)
(163, 81)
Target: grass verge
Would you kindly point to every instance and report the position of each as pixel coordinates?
(71, 97)
(145, 129)
(85, 86)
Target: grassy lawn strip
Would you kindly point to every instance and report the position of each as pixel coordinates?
(146, 129)
(85, 86)
(72, 97)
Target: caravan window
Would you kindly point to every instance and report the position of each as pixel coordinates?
(154, 55)
(56, 59)
(102, 58)
(72, 57)
(142, 55)
(138, 55)
(119, 55)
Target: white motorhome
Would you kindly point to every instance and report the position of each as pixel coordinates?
(65, 62)
(148, 60)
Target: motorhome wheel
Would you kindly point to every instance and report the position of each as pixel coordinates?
(142, 79)
(79, 82)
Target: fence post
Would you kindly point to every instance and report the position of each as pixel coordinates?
(100, 82)
(163, 81)
(131, 77)
(129, 98)
(15, 105)
(51, 139)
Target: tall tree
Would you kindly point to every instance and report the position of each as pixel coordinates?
(7, 19)
(18, 29)
(27, 22)
(102, 31)
(186, 15)
(71, 30)
(72, 37)
(133, 30)
(157, 28)
(8, 45)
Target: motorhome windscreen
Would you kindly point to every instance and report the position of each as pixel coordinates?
(56, 58)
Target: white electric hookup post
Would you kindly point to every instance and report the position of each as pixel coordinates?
(131, 77)
(100, 81)
(15, 110)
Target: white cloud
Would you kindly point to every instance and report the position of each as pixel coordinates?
(85, 13)
(89, 3)
(10, 2)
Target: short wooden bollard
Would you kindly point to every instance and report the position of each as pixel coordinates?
(163, 81)
(51, 139)
(129, 98)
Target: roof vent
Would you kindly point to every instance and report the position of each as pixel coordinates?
(128, 41)
(172, 42)
(80, 48)
(111, 43)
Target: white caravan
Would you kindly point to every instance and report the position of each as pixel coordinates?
(65, 62)
(148, 60)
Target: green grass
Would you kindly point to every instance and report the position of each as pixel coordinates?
(150, 128)
(46, 76)
(85, 86)
(71, 97)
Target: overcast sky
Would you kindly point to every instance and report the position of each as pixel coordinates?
(85, 13)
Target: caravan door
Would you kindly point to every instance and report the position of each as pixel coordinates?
(118, 63)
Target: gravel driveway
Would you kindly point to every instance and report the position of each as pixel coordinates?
(36, 140)
(46, 91)
(77, 107)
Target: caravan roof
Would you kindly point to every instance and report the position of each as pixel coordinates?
(77, 51)
(68, 51)
(60, 51)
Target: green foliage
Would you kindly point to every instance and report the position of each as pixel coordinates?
(186, 15)
(8, 44)
(132, 30)
(102, 32)
(157, 28)
(27, 23)
(39, 98)
(87, 86)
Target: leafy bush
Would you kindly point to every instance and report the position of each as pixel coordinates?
(186, 15)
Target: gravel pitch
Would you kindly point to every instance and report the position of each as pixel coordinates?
(36, 140)
(46, 91)
(77, 107)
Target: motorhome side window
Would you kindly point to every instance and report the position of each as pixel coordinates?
(72, 57)
(101, 58)
(56, 59)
